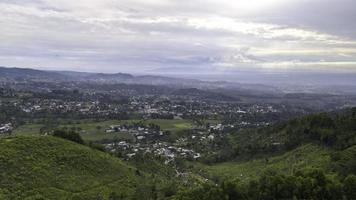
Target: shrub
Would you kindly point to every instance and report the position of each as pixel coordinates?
(69, 135)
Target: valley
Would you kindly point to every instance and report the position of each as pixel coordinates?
(124, 141)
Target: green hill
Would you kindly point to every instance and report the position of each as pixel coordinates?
(332, 130)
(53, 168)
(325, 140)
(313, 157)
(282, 161)
(302, 157)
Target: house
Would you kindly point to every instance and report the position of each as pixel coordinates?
(109, 131)
(6, 128)
(140, 137)
(130, 155)
(196, 156)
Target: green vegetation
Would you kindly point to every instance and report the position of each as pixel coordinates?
(303, 184)
(312, 157)
(305, 156)
(28, 129)
(335, 131)
(344, 161)
(95, 130)
(53, 168)
(173, 125)
(68, 135)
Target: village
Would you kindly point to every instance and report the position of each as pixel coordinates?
(140, 106)
(209, 121)
(150, 139)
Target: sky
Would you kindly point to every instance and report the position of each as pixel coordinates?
(178, 36)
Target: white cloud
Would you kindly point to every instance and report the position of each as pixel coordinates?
(121, 35)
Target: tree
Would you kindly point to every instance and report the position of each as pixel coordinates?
(235, 190)
(115, 196)
(350, 187)
(69, 135)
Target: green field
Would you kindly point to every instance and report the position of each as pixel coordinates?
(28, 129)
(305, 156)
(173, 125)
(94, 131)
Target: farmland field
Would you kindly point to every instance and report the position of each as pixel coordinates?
(28, 129)
(94, 131)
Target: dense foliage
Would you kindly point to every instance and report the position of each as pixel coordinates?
(60, 167)
(52, 168)
(337, 131)
(305, 184)
(69, 135)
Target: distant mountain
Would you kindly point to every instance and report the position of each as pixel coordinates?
(112, 77)
(20, 74)
(24, 74)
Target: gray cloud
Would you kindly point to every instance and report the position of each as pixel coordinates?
(138, 35)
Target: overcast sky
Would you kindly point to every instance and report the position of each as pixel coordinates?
(177, 36)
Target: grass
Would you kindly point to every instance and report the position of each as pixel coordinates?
(90, 132)
(28, 129)
(309, 155)
(97, 136)
(53, 168)
(173, 125)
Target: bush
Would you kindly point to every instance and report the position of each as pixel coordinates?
(97, 146)
(305, 184)
(69, 135)
(350, 187)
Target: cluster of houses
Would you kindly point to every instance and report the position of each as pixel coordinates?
(139, 131)
(57, 106)
(149, 138)
(6, 128)
(173, 152)
(162, 149)
(179, 108)
(147, 106)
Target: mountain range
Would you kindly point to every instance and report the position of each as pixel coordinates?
(26, 74)
(286, 86)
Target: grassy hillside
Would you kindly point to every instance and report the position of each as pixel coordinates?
(54, 168)
(313, 157)
(309, 155)
(44, 167)
(344, 161)
(333, 130)
(325, 140)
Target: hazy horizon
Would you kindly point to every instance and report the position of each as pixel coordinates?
(281, 79)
